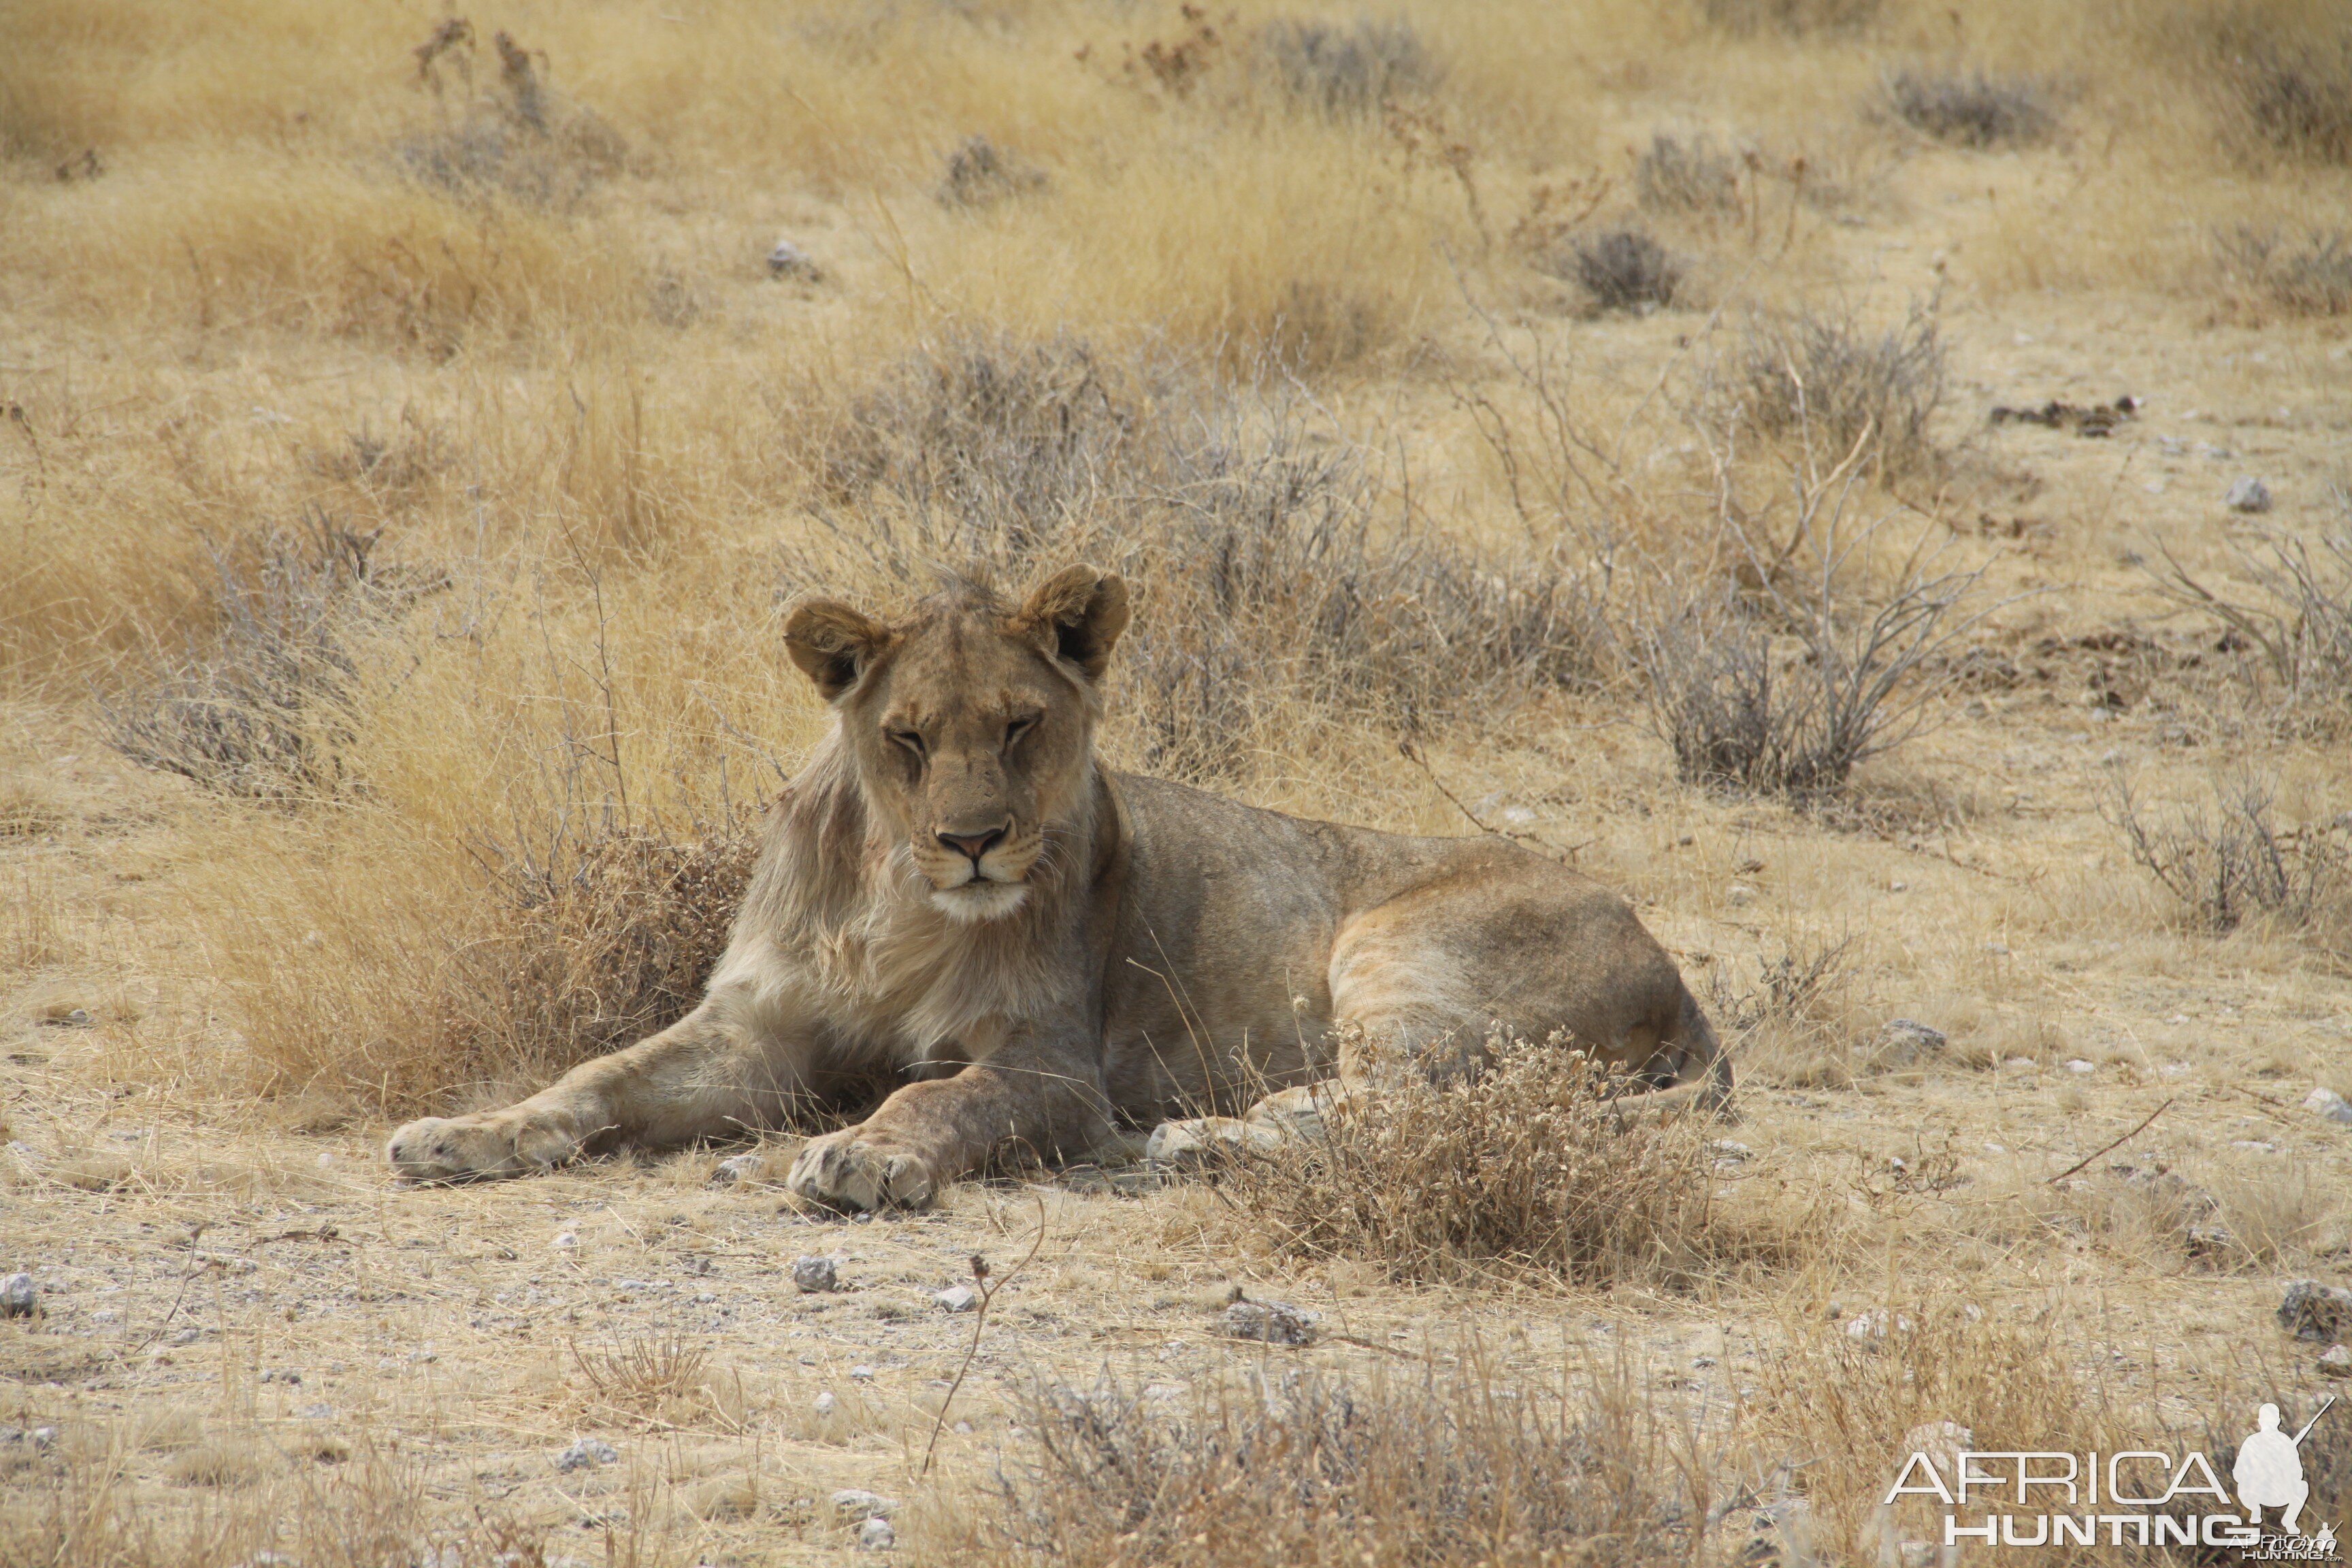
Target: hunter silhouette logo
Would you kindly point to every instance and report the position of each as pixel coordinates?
(2268, 1471)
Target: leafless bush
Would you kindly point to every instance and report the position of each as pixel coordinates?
(651, 1377)
(1674, 175)
(2300, 103)
(980, 175)
(1974, 110)
(2234, 862)
(517, 138)
(1265, 570)
(1411, 1469)
(1346, 69)
(262, 707)
(1791, 1019)
(2314, 278)
(1522, 1168)
(1795, 17)
(1623, 270)
(1823, 378)
(2299, 613)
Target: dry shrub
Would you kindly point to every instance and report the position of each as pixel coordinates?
(2274, 1219)
(1339, 69)
(1528, 1168)
(517, 138)
(604, 935)
(1828, 382)
(1437, 1465)
(263, 708)
(1973, 109)
(2299, 101)
(2298, 614)
(1622, 270)
(2314, 278)
(1833, 1408)
(2235, 863)
(661, 1379)
(1798, 1022)
(1672, 175)
(978, 175)
(1266, 574)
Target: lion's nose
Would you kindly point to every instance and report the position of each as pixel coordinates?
(973, 843)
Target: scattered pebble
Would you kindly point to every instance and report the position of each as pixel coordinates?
(827, 1403)
(789, 260)
(1998, 949)
(566, 1241)
(2336, 1360)
(587, 1455)
(875, 1536)
(2254, 1146)
(2077, 1065)
(2311, 1311)
(1906, 1040)
(2328, 1103)
(1276, 1323)
(2250, 494)
(285, 1374)
(1729, 1152)
(852, 1504)
(862, 1374)
(815, 1276)
(19, 1298)
(1741, 896)
(957, 1298)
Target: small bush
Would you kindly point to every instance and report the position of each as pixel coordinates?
(1795, 1024)
(1677, 176)
(2314, 278)
(979, 176)
(262, 707)
(1977, 111)
(1624, 269)
(2235, 862)
(2298, 615)
(1796, 19)
(2301, 104)
(1265, 569)
(1524, 1168)
(1443, 1465)
(1826, 379)
(1336, 70)
(517, 139)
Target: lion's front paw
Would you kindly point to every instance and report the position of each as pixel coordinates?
(473, 1148)
(847, 1170)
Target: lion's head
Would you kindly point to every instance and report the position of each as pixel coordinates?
(970, 725)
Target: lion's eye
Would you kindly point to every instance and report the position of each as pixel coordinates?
(1018, 727)
(910, 739)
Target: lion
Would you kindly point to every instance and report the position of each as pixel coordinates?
(955, 898)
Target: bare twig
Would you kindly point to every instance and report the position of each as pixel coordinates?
(2108, 1148)
(988, 1290)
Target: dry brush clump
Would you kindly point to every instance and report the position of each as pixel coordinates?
(1825, 381)
(2310, 277)
(2294, 605)
(1412, 1468)
(1339, 70)
(2235, 862)
(1972, 108)
(1268, 569)
(516, 137)
(1532, 1167)
(1622, 270)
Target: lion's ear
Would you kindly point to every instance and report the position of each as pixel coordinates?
(832, 642)
(1077, 614)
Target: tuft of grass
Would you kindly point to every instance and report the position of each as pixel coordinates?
(2311, 278)
(2298, 614)
(979, 176)
(1822, 376)
(1623, 270)
(517, 138)
(1346, 69)
(1441, 1464)
(1972, 110)
(1794, 19)
(1797, 1024)
(644, 1378)
(1675, 176)
(1522, 1168)
(2299, 101)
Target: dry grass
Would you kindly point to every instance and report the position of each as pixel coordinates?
(2237, 862)
(1972, 111)
(1524, 1169)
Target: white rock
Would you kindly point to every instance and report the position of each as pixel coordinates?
(1907, 1040)
(1741, 896)
(789, 260)
(852, 1504)
(587, 1455)
(566, 1241)
(2077, 1065)
(2336, 1360)
(18, 1296)
(827, 1403)
(815, 1276)
(875, 1536)
(2250, 494)
(957, 1298)
(862, 1374)
(2328, 1103)
(1276, 1323)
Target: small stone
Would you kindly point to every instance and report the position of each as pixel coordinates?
(19, 1298)
(2336, 1360)
(2311, 1311)
(2250, 494)
(957, 1298)
(1207, 1140)
(789, 260)
(875, 1536)
(2077, 1065)
(587, 1455)
(1729, 1151)
(1907, 1040)
(1276, 1323)
(815, 1276)
(852, 1504)
(827, 1403)
(862, 1374)
(566, 1241)
(739, 1170)
(1998, 949)
(1741, 896)
(2328, 1103)
(2208, 1242)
